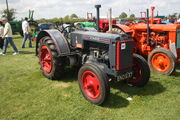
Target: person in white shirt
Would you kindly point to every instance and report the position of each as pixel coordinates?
(178, 20)
(26, 32)
(7, 36)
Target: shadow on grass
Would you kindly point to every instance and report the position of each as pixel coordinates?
(116, 101)
(70, 74)
(152, 88)
(27, 52)
(177, 72)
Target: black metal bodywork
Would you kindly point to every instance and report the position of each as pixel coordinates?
(111, 52)
(110, 43)
(59, 40)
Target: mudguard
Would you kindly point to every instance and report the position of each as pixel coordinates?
(60, 42)
(125, 28)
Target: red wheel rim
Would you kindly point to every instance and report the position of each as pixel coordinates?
(161, 62)
(91, 85)
(46, 59)
(138, 72)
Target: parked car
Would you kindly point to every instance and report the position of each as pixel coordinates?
(45, 26)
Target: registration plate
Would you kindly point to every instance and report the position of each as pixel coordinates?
(125, 76)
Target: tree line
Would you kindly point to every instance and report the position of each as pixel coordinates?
(69, 19)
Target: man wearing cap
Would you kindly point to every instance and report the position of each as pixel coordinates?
(26, 31)
(7, 36)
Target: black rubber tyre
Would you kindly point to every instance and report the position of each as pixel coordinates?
(103, 83)
(171, 68)
(57, 62)
(141, 72)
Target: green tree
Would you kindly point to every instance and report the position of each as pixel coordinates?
(73, 16)
(132, 16)
(123, 15)
(66, 19)
(9, 15)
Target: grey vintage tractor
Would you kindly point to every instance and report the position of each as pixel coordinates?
(100, 57)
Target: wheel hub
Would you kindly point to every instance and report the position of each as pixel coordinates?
(137, 72)
(161, 62)
(46, 59)
(91, 84)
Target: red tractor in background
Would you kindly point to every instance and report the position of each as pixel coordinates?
(153, 20)
(159, 43)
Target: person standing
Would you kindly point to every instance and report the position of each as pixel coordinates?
(1, 34)
(7, 36)
(26, 32)
(178, 20)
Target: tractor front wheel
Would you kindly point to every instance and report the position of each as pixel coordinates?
(141, 73)
(93, 83)
(162, 61)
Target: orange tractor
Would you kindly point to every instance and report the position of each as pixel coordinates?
(159, 43)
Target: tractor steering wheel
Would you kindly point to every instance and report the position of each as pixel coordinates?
(67, 30)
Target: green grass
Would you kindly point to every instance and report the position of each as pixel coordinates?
(25, 94)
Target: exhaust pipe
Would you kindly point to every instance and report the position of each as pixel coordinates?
(152, 14)
(110, 19)
(98, 16)
(148, 29)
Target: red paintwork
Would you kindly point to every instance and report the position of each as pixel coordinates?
(46, 59)
(91, 85)
(104, 24)
(118, 58)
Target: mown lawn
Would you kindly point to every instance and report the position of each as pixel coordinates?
(25, 94)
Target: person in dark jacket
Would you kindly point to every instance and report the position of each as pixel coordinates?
(1, 34)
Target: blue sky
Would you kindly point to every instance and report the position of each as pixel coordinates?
(60, 8)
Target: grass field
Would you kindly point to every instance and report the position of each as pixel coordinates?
(25, 94)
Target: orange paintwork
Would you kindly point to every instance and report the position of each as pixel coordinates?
(161, 62)
(125, 28)
(156, 27)
(162, 35)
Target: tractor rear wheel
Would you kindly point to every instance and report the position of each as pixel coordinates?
(162, 61)
(93, 83)
(51, 65)
(141, 73)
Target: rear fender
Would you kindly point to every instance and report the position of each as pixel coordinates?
(60, 42)
(125, 28)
